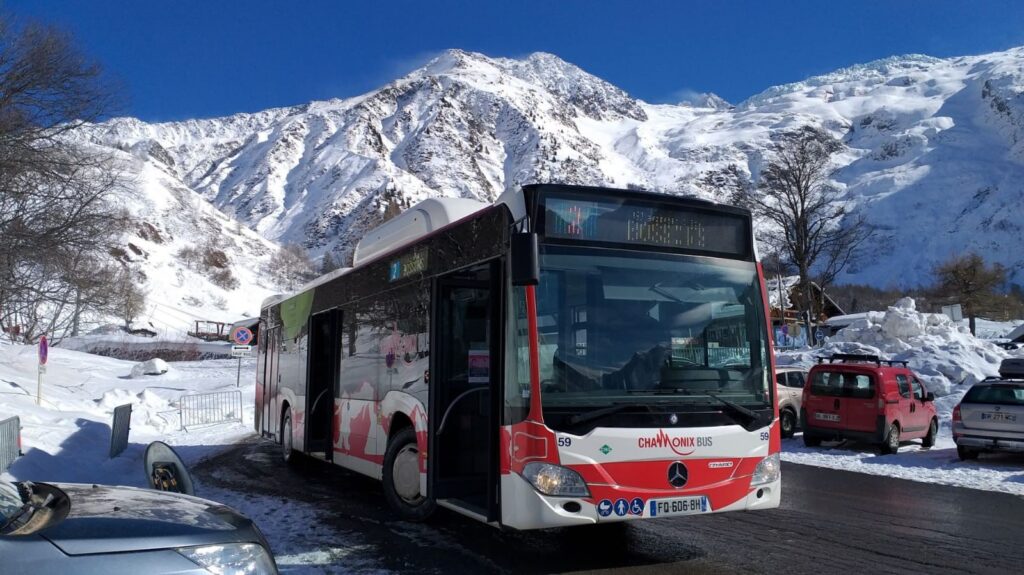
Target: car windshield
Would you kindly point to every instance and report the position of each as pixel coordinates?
(842, 384)
(644, 328)
(10, 501)
(996, 394)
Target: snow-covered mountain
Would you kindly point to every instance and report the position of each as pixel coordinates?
(195, 262)
(935, 149)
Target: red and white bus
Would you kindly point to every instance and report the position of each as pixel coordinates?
(565, 356)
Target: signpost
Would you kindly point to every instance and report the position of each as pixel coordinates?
(242, 337)
(44, 353)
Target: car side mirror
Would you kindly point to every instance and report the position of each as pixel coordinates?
(929, 396)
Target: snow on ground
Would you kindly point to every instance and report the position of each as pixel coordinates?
(67, 438)
(991, 329)
(948, 359)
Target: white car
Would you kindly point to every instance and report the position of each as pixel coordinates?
(789, 387)
(990, 417)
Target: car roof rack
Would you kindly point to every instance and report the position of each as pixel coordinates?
(862, 358)
(1012, 368)
(1001, 379)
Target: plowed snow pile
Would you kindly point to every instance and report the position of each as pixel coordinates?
(945, 356)
(949, 360)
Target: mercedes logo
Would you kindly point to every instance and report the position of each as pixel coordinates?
(673, 419)
(677, 474)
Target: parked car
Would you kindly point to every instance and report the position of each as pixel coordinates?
(990, 417)
(1010, 345)
(864, 398)
(789, 385)
(87, 529)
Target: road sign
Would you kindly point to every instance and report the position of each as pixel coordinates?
(241, 335)
(44, 350)
(820, 335)
(240, 350)
(954, 312)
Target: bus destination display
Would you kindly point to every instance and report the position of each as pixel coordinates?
(645, 223)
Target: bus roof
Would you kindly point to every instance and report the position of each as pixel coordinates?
(423, 218)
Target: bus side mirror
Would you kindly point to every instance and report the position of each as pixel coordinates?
(525, 261)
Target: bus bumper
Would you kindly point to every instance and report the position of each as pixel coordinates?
(523, 507)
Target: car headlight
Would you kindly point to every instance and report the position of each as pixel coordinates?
(767, 471)
(231, 559)
(555, 480)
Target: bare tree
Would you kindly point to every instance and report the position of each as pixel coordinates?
(58, 220)
(972, 282)
(128, 299)
(811, 227)
(290, 267)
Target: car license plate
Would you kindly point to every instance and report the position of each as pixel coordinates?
(999, 416)
(826, 416)
(678, 506)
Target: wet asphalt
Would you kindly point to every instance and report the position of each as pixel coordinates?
(829, 521)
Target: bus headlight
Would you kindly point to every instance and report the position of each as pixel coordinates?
(767, 471)
(556, 480)
(231, 558)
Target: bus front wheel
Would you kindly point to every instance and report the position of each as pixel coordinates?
(401, 477)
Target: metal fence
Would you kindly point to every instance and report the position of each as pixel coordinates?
(210, 408)
(10, 441)
(119, 429)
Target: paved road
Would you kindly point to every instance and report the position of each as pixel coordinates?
(830, 521)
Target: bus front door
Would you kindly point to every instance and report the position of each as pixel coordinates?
(465, 377)
(322, 382)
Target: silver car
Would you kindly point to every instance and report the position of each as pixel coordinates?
(789, 387)
(990, 417)
(87, 529)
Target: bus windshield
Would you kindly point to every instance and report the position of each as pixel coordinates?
(641, 327)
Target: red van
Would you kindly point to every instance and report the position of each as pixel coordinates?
(864, 398)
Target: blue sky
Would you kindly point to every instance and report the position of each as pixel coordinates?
(185, 58)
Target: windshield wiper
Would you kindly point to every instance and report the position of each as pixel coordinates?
(603, 412)
(737, 409)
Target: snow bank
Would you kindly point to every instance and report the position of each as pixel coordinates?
(67, 439)
(942, 353)
(155, 366)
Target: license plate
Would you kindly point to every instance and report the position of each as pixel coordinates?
(678, 506)
(999, 416)
(826, 416)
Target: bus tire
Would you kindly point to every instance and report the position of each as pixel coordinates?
(287, 451)
(401, 477)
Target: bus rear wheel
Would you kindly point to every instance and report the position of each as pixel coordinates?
(287, 447)
(401, 477)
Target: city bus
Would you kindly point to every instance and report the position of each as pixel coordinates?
(564, 356)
